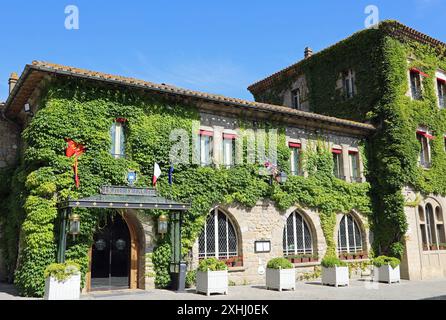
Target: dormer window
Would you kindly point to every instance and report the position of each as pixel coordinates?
(118, 139)
(296, 99)
(441, 91)
(425, 138)
(349, 83)
(416, 83)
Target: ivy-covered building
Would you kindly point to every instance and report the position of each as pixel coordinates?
(360, 136)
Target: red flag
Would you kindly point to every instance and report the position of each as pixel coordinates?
(75, 149)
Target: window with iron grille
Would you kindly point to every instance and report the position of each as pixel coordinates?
(118, 140)
(297, 237)
(349, 236)
(432, 228)
(218, 239)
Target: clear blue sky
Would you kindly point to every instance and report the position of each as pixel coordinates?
(214, 46)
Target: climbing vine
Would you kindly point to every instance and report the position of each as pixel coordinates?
(83, 112)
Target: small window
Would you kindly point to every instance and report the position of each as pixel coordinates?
(432, 228)
(296, 99)
(295, 159)
(118, 140)
(206, 140)
(349, 84)
(441, 89)
(229, 150)
(337, 164)
(424, 138)
(349, 236)
(354, 166)
(415, 84)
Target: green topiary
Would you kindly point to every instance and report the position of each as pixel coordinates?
(191, 278)
(212, 264)
(331, 262)
(62, 271)
(280, 263)
(383, 261)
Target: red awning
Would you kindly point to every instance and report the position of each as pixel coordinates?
(206, 133)
(228, 136)
(425, 134)
(441, 80)
(352, 152)
(336, 151)
(295, 145)
(419, 72)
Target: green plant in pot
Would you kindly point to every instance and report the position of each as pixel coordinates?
(383, 261)
(331, 262)
(279, 263)
(62, 271)
(212, 264)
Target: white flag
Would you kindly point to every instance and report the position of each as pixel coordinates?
(156, 173)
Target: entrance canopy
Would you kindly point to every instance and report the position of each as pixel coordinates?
(126, 198)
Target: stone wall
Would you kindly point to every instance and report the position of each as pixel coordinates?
(265, 222)
(419, 262)
(9, 143)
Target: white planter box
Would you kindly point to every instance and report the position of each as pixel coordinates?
(212, 282)
(337, 276)
(386, 274)
(281, 279)
(70, 289)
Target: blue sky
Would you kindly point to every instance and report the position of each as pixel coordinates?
(213, 46)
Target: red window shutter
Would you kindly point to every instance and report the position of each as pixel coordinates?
(352, 152)
(419, 72)
(228, 136)
(206, 133)
(295, 145)
(336, 151)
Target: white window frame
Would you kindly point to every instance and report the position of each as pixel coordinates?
(354, 156)
(441, 94)
(228, 254)
(118, 140)
(206, 150)
(348, 79)
(229, 149)
(296, 99)
(304, 225)
(425, 144)
(295, 152)
(356, 226)
(420, 89)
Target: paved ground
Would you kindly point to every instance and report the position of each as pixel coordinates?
(358, 290)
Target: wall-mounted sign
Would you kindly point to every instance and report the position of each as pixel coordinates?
(263, 246)
(131, 177)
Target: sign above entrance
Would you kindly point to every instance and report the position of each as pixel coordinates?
(128, 191)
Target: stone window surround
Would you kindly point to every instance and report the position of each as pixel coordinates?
(360, 221)
(439, 74)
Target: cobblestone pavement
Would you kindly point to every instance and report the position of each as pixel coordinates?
(358, 290)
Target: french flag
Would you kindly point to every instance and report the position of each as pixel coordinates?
(156, 174)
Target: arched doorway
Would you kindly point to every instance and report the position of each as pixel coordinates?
(111, 256)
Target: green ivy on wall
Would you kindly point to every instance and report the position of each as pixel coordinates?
(380, 62)
(85, 113)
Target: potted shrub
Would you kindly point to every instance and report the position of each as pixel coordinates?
(305, 258)
(314, 258)
(63, 281)
(334, 272)
(212, 277)
(442, 246)
(433, 247)
(280, 275)
(386, 269)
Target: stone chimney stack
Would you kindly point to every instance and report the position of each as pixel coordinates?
(308, 52)
(13, 81)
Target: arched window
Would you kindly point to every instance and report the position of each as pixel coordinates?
(297, 237)
(218, 239)
(432, 228)
(349, 235)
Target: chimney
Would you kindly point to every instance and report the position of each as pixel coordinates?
(308, 52)
(13, 81)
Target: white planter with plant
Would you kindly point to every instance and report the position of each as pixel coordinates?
(386, 269)
(63, 281)
(212, 277)
(280, 275)
(335, 272)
